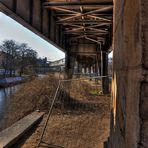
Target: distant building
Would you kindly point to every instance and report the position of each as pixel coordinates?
(43, 62)
(110, 66)
(58, 64)
(44, 66)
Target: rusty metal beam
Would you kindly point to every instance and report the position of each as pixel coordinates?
(64, 10)
(79, 27)
(84, 28)
(78, 14)
(87, 33)
(86, 22)
(71, 14)
(90, 32)
(84, 36)
(78, 3)
(90, 39)
(100, 18)
(96, 35)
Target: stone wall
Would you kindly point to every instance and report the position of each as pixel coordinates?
(129, 114)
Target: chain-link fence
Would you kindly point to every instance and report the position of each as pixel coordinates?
(78, 116)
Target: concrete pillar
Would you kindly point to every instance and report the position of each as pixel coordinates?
(129, 120)
(45, 23)
(96, 68)
(80, 68)
(89, 69)
(105, 80)
(57, 34)
(85, 70)
(52, 30)
(69, 62)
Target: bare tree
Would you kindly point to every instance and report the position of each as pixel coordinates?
(28, 57)
(9, 48)
(17, 56)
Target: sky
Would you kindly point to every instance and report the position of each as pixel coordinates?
(10, 29)
(110, 55)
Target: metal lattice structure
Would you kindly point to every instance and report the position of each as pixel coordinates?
(91, 20)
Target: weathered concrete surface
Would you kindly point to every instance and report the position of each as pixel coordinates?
(37, 14)
(143, 142)
(9, 3)
(129, 119)
(13, 133)
(25, 11)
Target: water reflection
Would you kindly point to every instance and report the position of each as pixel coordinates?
(5, 98)
(6, 95)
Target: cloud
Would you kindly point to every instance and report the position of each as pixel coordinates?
(10, 29)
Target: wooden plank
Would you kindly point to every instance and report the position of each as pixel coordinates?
(10, 135)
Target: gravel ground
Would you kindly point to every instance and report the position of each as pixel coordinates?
(82, 127)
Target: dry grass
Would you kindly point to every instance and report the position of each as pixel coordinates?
(30, 97)
(80, 118)
(72, 131)
(82, 121)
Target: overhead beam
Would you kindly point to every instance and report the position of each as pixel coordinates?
(84, 28)
(78, 32)
(64, 10)
(82, 21)
(96, 35)
(88, 32)
(90, 39)
(78, 3)
(86, 37)
(99, 18)
(79, 27)
(71, 14)
(78, 14)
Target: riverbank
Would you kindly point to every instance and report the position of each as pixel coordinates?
(29, 97)
(10, 81)
(81, 121)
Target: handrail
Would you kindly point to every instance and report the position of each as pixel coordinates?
(49, 113)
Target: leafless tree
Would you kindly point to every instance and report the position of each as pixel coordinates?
(9, 60)
(17, 56)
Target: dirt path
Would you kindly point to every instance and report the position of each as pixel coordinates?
(75, 129)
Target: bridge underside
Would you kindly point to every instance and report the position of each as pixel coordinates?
(83, 30)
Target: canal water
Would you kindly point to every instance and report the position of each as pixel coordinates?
(5, 98)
